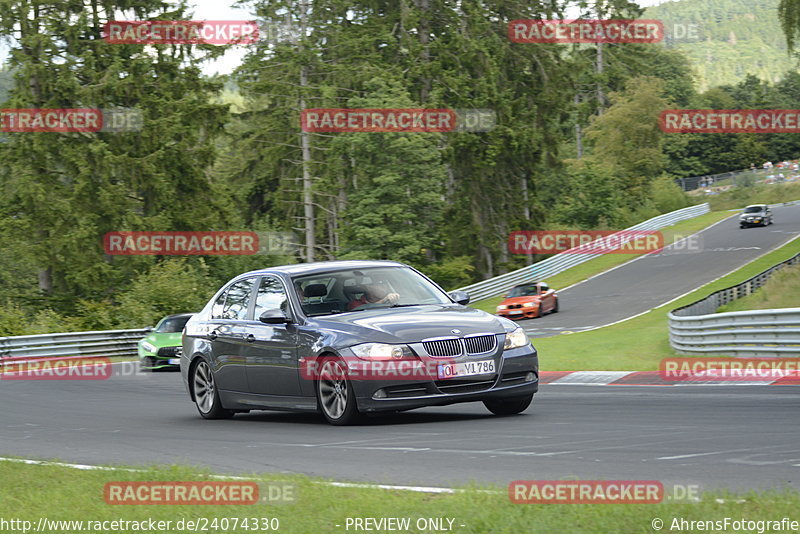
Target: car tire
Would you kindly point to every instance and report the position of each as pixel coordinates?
(511, 406)
(555, 306)
(147, 362)
(336, 399)
(206, 398)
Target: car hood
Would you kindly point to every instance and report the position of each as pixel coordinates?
(520, 300)
(165, 339)
(414, 323)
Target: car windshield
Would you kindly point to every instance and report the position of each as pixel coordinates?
(354, 290)
(753, 209)
(523, 291)
(172, 324)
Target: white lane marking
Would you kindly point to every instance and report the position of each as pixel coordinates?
(682, 456)
(495, 452)
(600, 378)
(82, 467)
(421, 489)
(418, 489)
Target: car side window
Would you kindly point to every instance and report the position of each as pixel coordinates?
(219, 304)
(271, 295)
(233, 302)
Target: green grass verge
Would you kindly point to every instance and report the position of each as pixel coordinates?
(609, 261)
(639, 344)
(740, 197)
(782, 290)
(30, 492)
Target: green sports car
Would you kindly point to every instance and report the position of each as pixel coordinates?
(161, 348)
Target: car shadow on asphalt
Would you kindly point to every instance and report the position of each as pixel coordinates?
(384, 419)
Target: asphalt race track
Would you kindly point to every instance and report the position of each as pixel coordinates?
(713, 436)
(738, 437)
(655, 279)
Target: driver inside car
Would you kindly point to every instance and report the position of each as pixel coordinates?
(374, 294)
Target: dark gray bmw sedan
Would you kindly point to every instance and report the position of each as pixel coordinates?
(348, 338)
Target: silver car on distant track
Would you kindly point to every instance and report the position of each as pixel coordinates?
(755, 215)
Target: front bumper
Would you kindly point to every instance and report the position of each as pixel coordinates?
(517, 375)
(753, 222)
(165, 357)
(520, 313)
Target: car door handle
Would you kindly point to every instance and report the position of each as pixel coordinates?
(213, 335)
(250, 338)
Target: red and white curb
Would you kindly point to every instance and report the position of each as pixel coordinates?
(651, 378)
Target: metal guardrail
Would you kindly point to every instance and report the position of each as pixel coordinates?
(98, 344)
(565, 260)
(696, 329)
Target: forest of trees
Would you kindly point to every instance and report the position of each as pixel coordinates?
(577, 145)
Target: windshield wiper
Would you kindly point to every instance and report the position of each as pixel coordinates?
(335, 312)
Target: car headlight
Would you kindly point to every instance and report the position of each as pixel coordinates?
(149, 347)
(516, 339)
(382, 351)
(501, 307)
(529, 304)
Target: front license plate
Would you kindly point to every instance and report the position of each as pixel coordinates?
(452, 370)
(515, 313)
(174, 361)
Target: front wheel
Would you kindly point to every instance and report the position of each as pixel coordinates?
(206, 395)
(335, 395)
(555, 306)
(510, 406)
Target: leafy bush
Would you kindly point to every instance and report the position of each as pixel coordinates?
(667, 196)
(173, 286)
(451, 273)
(18, 321)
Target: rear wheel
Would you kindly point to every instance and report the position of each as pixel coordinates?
(511, 406)
(206, 395)
(555, 306)
(335, 395)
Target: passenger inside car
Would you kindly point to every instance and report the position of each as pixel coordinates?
(372, 294)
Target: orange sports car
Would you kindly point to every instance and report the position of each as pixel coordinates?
(526, 301)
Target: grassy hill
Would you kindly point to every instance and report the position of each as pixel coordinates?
(733, 38)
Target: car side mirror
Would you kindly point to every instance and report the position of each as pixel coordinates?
(274, 316)
(461, 297)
